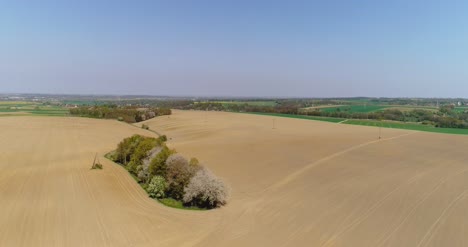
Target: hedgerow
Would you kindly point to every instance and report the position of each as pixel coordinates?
(165, 174)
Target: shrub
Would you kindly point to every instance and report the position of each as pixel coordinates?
(158, 164)
(206, 190)
(163, 138)
(140, 152)
(194, 162)
(144, 126)
(143, 169)
(126, 148)
(157, 187)
(178, 175)
(97, 166)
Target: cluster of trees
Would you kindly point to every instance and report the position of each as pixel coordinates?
(165, 174)
(203, 106)
(127, 114)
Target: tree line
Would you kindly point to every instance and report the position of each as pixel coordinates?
(127, 114)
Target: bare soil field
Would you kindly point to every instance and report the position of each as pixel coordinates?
(294, 183)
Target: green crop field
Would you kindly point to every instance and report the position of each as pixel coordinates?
(408, 126)
(326, 119)
(355, 108)
(375, 123)
(253, 103)
(461, 109)
(8, 108)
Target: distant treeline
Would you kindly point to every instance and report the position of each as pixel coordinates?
(127, 114)
(443, 117)
(443, 113)
(215, 106)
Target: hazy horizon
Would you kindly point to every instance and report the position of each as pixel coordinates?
(260, 49)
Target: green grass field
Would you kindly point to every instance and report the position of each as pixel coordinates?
(30, 108)
(461, 109)
(326, 119)
(253, 103)
(355, 108)
(374, 123)
(404, 108)
(408, 126)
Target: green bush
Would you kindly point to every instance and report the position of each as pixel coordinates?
(158, 164)
(126, 148)
(145, 144)
(97, 166)
(194, 162)
(157, 187)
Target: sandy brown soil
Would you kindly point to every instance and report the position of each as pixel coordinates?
(304, 183)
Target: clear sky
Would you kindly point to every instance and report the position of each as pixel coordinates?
(235, 48)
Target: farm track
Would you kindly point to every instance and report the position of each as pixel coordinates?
(304, 183)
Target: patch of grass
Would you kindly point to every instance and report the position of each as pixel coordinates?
(49, 113)
(15, 103)
(461, 109)
(173, 203)
(97, 166)
(30, 108)
(9, 110)
(407, 126)
(325, 119)
(412, 108)
(355, 108)
(253, 103)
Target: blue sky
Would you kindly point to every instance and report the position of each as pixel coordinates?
(236, 48)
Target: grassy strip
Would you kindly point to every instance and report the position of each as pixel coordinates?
(407, 126)
(326, 119)
(42, 112)
(173, 203)
(375, 123)
(355, 108)
(252, 103)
